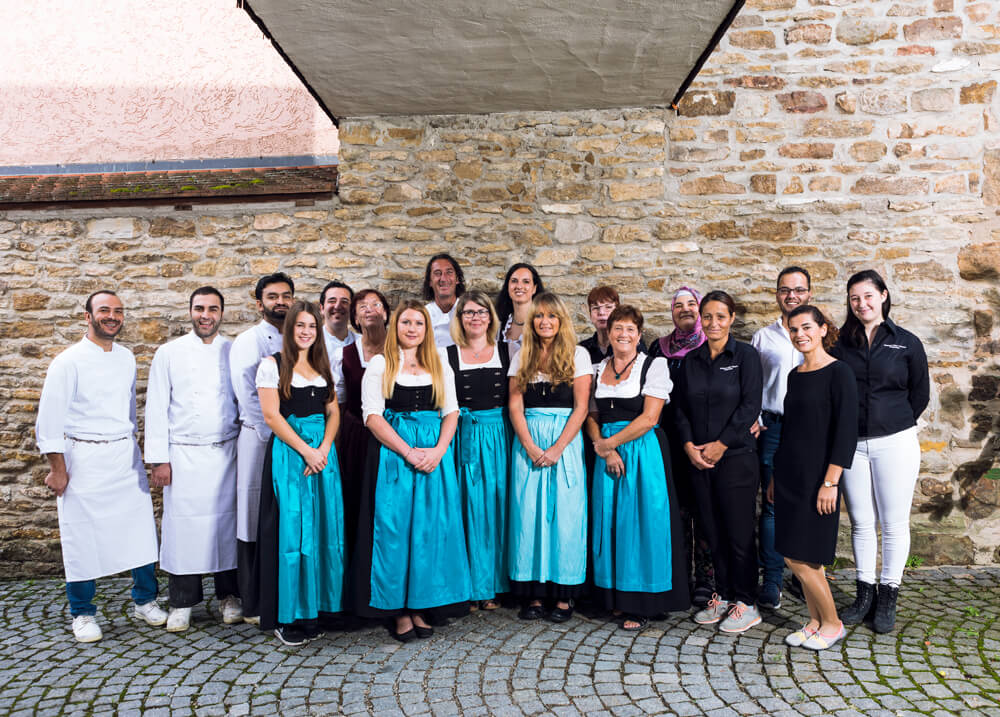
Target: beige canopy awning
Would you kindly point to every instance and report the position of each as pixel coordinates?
(374, 57)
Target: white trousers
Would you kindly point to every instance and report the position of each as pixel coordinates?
(879, 487)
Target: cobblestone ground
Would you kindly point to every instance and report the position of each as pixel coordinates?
(942, 659)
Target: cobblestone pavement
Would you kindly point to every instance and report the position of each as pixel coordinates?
(942, 659)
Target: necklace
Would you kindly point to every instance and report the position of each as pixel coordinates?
(477, 354)
(517, 323)
(618, 374)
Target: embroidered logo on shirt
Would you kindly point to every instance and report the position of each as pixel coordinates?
(729, 368)
(895, 346)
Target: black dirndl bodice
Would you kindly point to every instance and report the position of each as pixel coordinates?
(305, 400)
(610, 410)
(480, 389)
(406, 399)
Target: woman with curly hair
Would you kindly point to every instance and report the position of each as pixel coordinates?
(549, 394)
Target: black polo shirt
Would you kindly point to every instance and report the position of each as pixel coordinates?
(893, 380)
(719, 399)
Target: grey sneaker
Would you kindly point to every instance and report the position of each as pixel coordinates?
(741, 617)
(713, 612)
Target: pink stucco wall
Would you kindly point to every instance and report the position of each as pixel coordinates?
(128, 81)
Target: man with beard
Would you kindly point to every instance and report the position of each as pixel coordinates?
(86, 429)
(274, 294)
(191, 429)
(444, 282)
(778, 357)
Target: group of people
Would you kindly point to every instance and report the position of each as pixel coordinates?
(466, 451)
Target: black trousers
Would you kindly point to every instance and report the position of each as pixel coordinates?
(248, 572)
(726, 496)
(186, 591)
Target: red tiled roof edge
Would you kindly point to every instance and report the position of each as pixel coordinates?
(182, 186)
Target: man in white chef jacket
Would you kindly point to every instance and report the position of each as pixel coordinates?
(86, 429)
(274, 294)
(191, 428)
(444, 282)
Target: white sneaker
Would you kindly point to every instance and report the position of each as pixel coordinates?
(232, 610)
(152, 613)
(179, 619)
(713, 612)
(86, 629)
(741, 617)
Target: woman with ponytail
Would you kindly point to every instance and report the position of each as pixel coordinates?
(817, 444)
(411, 564)
(301, 527)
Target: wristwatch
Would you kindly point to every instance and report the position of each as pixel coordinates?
(828, 484)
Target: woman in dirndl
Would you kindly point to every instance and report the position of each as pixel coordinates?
(549, 395)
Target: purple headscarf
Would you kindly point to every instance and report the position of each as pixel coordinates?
(677, 343)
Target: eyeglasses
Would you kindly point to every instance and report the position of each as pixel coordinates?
(475, 313)
(798, 291)
(374, 306)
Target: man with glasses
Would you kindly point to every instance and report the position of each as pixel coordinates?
(779, 357)
(601, 301)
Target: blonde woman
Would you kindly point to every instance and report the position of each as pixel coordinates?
(480, 365)
(410, 554)
(549, 393)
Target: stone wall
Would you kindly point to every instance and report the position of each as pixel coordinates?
(835, 134)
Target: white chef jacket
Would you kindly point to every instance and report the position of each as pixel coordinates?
(189, 397)
(441, 323)
(106, 522)
(778, 356)
(247, 350)
(88, 393)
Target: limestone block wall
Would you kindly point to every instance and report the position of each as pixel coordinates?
(835, 134)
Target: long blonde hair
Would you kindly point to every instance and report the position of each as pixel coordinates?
(561, 365)
(427, 355)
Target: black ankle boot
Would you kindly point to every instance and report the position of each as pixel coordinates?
(863, 607)
(885, 610)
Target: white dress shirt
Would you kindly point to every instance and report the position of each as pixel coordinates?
(89, 393)
(335, 352)
(778, 357)
(441, 322)
(189, 398)
(372, 400)
(247, 350)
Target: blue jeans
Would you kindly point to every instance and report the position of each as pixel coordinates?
(81, 593)
(771, 561)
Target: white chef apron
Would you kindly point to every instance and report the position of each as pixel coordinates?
(199, 509)
(250, 465)
(106, 522)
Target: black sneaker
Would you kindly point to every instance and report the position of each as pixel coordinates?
(291, 635)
